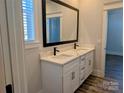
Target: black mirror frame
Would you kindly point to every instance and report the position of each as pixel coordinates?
(45, 44)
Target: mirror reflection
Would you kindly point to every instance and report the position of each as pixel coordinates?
(61, 22)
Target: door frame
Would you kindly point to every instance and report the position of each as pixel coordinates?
(4, 49)
(107, 7)
(16, 45)
(2, 69)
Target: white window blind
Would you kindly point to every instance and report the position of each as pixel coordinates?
(28, 20)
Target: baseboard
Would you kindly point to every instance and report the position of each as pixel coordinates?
(40, 91)
(114, 53)
(98, 73)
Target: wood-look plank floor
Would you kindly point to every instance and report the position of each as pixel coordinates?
(112, 83)
(114, 68)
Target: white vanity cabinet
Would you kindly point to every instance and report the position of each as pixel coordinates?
(66, 75)
(86, 66)
(60, 78)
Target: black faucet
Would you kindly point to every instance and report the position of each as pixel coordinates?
(75, 45)
(55, 50)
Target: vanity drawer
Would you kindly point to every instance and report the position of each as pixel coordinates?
(83, 63)
(82, 77)
(83, 60)
(68, 67)
(82, 68)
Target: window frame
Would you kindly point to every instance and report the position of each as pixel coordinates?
(36, 41)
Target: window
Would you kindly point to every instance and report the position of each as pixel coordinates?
(28, 20)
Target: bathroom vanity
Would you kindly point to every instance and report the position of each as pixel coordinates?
(65, 72)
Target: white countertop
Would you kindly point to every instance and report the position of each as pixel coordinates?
(67, 56)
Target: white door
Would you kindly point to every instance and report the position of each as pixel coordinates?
(67, 83)
(104, 38)
(2, 74)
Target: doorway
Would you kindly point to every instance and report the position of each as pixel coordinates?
(112, 44)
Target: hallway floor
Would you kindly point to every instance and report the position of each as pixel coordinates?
(114, 68)
(113, 81)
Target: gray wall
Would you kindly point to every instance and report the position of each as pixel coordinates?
(115, 32)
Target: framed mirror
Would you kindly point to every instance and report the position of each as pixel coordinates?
(60, 23)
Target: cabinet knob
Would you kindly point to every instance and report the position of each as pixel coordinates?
(82, 59)
(83, 68)
(89, 62)
(73, 75)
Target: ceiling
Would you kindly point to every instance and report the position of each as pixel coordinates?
(111, 1)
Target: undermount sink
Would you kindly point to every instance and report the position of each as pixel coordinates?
(62, 56)
(80, 49)
(69, 54)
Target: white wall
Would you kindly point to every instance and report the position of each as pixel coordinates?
(91, 27)
(32, 53)
(115, 32)
(32, 61)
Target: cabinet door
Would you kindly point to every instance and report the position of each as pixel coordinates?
(82, 76)
(82, 69)
(87, 67)
(89, 63)
(75, 78)
(67, 83)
